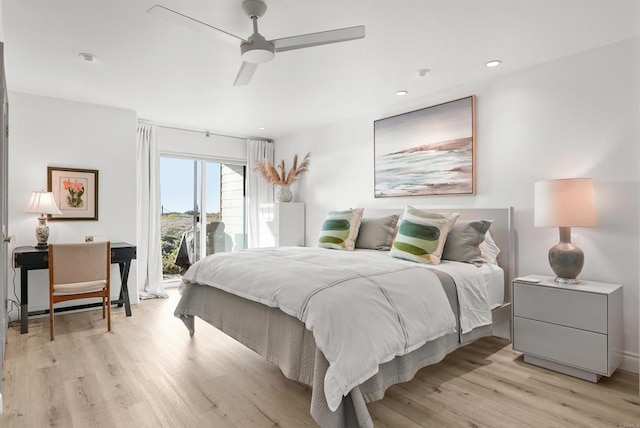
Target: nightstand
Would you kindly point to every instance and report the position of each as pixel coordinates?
(574, 329)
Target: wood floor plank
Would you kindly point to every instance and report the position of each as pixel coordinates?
(148, 372)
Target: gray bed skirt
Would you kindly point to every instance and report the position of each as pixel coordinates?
(284, 341)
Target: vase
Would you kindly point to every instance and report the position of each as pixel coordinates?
(283, 194)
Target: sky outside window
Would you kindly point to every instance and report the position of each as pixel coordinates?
(176, 185)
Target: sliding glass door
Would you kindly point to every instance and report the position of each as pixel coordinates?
(203, 210)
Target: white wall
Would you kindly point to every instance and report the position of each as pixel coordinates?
(53, 132)
(180, 142)
(574, 117)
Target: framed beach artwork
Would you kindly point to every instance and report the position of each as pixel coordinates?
(427, 152)
(75, 192)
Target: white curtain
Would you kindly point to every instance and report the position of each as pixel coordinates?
(149, 253)
(259, 196)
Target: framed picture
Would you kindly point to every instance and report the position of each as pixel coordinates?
(431, 151)
(75, 192)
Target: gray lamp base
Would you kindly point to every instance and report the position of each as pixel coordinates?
(566, 259)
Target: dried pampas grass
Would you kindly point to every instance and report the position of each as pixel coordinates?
(278, 175)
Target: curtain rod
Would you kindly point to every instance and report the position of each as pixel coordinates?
(201, 131)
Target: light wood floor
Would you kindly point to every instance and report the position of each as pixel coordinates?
(148, 372)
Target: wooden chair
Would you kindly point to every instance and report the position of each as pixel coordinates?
(80, 271)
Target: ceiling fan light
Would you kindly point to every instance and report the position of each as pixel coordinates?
(257, 50)
(257, 56)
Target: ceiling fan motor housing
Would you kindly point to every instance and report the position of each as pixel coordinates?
(257, 50)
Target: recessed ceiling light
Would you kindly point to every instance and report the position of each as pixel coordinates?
(493, 63)
(89, 57)
(262, 128)
(401, 92)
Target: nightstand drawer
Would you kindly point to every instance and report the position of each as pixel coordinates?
(586, 311)
(578, 348)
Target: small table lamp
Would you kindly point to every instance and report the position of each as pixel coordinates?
(565, 203)
(42, 203)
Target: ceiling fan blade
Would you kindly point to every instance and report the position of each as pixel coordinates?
(245, 74)
(187, 21)
(317, 39)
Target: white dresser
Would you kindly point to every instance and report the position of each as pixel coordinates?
(285, 223)
(574, 329)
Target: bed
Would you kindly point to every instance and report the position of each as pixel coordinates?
(295, 332)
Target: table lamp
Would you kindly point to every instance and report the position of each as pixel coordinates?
(42, 203)
(565, 203)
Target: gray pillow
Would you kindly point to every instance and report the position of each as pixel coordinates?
(463, 242)
(377, 233)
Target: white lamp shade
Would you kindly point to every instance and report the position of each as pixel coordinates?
(42, 202)
(564, 203)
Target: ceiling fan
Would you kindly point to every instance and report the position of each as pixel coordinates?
(256, 49)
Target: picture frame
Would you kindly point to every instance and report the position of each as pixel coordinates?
(426, 152)
(75, 192)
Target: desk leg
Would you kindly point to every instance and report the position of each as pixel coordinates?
(24, 301)
(124, 290)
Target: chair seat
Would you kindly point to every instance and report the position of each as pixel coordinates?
(79, 287)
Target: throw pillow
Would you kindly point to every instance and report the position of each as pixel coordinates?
(377, 233)
(463, 242)
(340, 229)
(422, 235)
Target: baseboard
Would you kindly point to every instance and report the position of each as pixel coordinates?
(630, 362)
(14, 314)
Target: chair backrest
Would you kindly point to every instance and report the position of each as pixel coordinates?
(79, 262)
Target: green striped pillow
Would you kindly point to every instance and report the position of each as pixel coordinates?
(421, 235)
(340, 229)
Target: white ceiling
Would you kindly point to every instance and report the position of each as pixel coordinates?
(180, 76)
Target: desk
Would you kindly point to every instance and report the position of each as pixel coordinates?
(31, 258)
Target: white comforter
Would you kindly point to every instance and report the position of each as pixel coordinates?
(362, 310)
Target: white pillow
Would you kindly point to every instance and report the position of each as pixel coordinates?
(489, 250)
